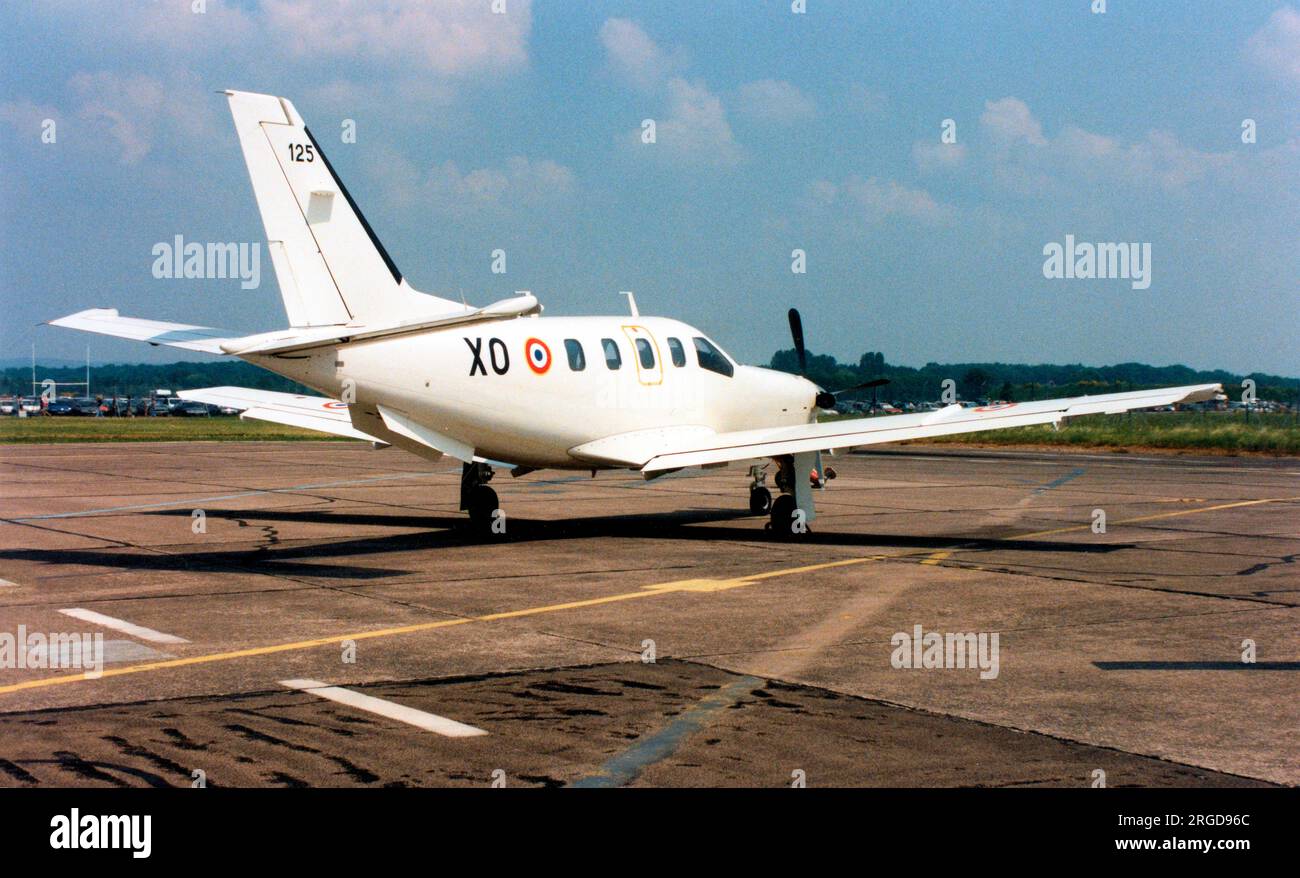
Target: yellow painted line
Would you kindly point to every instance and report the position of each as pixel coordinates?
(1062, 530)
(685, 585)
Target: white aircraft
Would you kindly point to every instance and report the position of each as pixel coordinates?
(503, 386)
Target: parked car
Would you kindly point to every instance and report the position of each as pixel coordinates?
(60, 407)
(190, 409)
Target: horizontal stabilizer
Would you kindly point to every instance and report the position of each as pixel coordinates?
(317, 413)
(106, 321)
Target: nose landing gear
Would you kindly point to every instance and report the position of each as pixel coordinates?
(760, 498)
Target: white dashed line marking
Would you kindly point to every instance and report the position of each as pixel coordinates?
(120, 625)
(430, 722)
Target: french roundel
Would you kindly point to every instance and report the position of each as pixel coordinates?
(538, 355)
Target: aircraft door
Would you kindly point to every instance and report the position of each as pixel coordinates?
(645, 355)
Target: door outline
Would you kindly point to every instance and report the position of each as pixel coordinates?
(633, 331)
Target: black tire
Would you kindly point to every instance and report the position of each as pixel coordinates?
(482, 503)
(760, 500)
(783, 515)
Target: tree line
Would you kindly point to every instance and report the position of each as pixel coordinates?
(1016, 382)
(141, 379)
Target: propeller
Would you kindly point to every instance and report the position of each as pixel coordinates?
(825, 398)
(796, 332)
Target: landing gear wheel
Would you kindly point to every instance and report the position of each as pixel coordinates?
(760, 500)
(783, 509)
(482, 504)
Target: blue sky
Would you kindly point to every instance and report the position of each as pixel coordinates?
(775, 131)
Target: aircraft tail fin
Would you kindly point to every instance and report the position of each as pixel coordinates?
(330, 265)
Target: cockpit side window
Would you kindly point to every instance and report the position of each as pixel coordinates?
(709, 357)
(613, 359)
(676, 351)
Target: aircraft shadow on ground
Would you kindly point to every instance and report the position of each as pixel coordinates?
(693, 524)
(312, 557)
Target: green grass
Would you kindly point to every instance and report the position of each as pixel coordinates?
(1210, 432)
(73, 429)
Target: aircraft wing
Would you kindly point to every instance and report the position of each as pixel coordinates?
(106, 321)
(293, 409)
(701, 450)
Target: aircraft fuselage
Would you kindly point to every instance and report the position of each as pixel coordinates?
(525, 391)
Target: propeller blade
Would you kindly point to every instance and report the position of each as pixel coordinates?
(865, 385)
(796, 332)
(826, 399)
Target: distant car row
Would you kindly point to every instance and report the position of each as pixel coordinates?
(122, 407)
(867, 407)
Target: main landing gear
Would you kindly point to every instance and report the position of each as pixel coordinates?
(797, 476)
(476, 497)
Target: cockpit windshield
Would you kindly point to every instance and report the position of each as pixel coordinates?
(710, 357)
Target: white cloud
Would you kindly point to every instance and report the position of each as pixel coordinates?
(132, 110)
(774, 100)
(932, 155)
(696, 127)
(1009, 121)
(521, 182)
(448, 37)
(1275, 47)
(693, 127)
(873, 200)
(1159, 158)
(162, 27)
(1076, 143)
(635, 55)
(884, 198)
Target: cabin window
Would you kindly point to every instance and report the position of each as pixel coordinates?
(613, 359)
(577, 359)
(677, 352)
(645, 354)
(709, 357)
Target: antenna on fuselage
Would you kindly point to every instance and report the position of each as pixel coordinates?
(631, 302)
